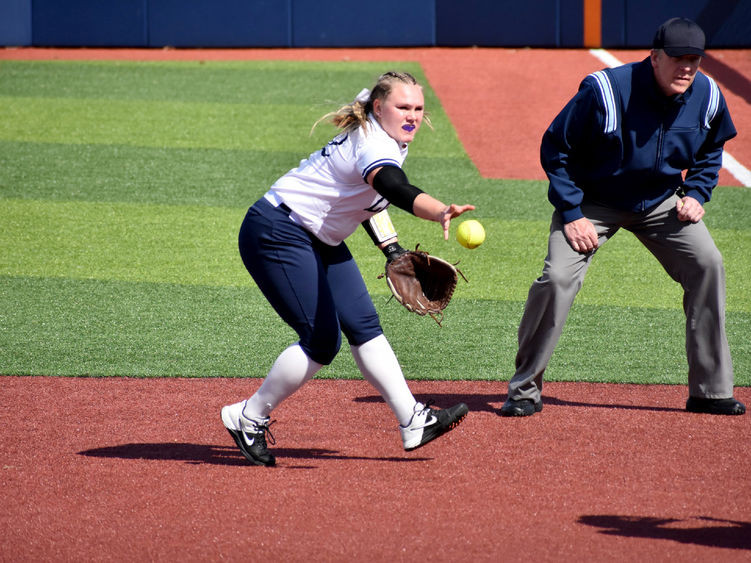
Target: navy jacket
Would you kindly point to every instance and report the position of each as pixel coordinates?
(621, 142)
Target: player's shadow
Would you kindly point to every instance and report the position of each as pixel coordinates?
(223, 455)
(478, 402)
(711, 532)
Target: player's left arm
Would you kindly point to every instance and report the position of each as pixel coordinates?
(381, 231)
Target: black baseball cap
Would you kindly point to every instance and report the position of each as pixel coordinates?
(678, 37)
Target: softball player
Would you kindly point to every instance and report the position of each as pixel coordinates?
(292, 244)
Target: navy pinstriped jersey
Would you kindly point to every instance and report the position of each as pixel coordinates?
(623, 143)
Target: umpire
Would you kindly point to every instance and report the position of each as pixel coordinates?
(638, 147)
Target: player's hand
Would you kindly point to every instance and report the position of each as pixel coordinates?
(581, 235)
(449, 213)
(689, 209)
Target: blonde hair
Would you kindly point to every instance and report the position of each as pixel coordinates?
(355, 114)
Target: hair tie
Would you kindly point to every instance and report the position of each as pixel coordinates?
(363, 97)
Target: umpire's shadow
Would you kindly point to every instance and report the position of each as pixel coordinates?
(701, 530)
(478, 402)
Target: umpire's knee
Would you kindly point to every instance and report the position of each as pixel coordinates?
(559, 281)
(710, 260)
(709, 271)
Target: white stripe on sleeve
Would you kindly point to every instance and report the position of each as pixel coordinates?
(714, 102)
(608, 100)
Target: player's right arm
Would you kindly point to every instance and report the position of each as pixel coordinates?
(391, 182)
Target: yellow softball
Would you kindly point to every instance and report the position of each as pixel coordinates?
(470, 234)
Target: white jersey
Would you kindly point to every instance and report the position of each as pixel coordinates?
(327, 192)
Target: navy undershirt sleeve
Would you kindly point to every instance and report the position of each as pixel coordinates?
(391, 182)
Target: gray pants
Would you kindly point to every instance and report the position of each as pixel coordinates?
(690, 257)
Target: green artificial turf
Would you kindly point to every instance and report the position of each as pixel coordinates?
(123, 186)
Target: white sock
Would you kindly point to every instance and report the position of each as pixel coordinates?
(290, 371)
(381, 369)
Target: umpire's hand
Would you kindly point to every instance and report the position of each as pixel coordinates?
(689, 209)
(581, 235)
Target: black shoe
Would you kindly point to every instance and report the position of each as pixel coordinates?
(428, 423)
(521, 407)
(729, 406)
(249, 435)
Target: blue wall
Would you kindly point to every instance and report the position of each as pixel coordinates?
(628, 23)
(93, 23)
(216, 23)
(15, 22)
(509, 23)
(344, 23)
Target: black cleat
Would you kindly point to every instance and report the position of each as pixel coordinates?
(249, 435)
(427, 424)
(729, 406)
(520, 407)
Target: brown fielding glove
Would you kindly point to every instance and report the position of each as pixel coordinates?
(424, 284)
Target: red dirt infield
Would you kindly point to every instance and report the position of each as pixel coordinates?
(120, 469)
(142, 470)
